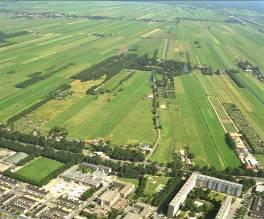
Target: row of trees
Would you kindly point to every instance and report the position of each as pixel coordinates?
(32, 80)
(123, 170)
(39, 76)
(141, 186)
(115, 64)
(155, 104)
(235, 79)
(75, 146)
(119, 153)
(44, 100)
(34, 150)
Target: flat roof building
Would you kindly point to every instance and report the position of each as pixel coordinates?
(95, 178)
(109, 198)
(182, 195)
(125, 188)
(14, 159)
(132, 215)
(219, 185)
(260, 188)
(224, 209)
(204, 181)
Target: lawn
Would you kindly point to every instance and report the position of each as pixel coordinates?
(39, 169)
(128, 180)
(155, 184)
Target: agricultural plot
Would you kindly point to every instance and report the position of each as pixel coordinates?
(39, 55)
(45, 50)
(196, 127)
(223, 117)
(110, 115)
(247, 102)
(39, 169)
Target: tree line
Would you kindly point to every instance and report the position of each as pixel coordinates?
(38, 76)
(142, 183)
(119, 153)
(72, 145)
(40, 103)
(12, 142)
(114, 64)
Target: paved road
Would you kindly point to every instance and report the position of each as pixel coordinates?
(155, 145)
(158, 123)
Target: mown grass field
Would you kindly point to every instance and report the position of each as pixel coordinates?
(155, 184)
(39, 169)
(62, 47)
(111, 115)
(222, 115)
(190, 122)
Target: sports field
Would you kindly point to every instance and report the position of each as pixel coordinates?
(39, 169)
(39, 55)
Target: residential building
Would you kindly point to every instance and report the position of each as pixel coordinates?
(182, 195)
(224, 209)
(219, 185)
(109, 198)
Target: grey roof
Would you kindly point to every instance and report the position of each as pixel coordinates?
(14, 159)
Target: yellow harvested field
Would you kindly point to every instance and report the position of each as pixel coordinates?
(150, 32)
(179, 86)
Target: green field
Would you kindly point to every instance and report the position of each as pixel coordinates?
(52, 50)
(222, 115)
(110, 115)
(155, 184)
(39, 169)
(191, 122)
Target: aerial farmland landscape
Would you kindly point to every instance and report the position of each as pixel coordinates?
(132, 109)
